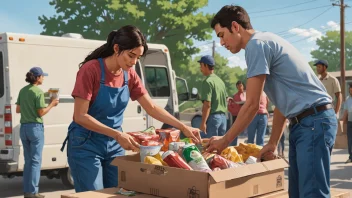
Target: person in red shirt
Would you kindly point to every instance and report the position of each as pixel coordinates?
(235, 104)
(258, 125)
(104, 84)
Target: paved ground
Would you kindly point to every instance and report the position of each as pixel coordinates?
(341, 179)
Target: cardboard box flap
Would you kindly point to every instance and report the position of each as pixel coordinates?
(275, 164)
(234, 173)
(124, 159)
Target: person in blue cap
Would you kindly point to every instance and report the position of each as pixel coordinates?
(330, 83)
(213, 95)
(31, 105)
(278, 68)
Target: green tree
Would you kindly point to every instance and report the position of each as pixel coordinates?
(329, 49)
(175, 23)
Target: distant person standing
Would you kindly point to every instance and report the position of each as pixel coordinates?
(258, 125)
(330, 83)
(347, 118)
(213, 96)
(235, 104)
(30, 103)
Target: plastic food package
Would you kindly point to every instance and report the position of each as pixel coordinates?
(176, 146)
(187, 140)
(140, 137)
(149, 151)
(152, 160)
(150, 143)
(193, 157)
(230, 153)
(247, 150)
(158, 157)
(222, 163)
(150, 131)
(174, 160)
(251, 160)
(167, 136)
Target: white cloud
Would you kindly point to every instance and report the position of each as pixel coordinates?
(311, 33)
(204, 48)
(235, 61)
(333, 25)
(218, 45)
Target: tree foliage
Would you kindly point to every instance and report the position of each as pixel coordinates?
(329, 49)
(175, 23)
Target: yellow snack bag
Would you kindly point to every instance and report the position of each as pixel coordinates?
(231, 153)
(158, 157)
(152, 160)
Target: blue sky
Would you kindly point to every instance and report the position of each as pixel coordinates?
(22, 16)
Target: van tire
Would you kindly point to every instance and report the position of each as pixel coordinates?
(66, 178)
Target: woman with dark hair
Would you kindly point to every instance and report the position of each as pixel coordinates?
(30, 103)
(104, 84)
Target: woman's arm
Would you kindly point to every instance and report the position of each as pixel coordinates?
(163, 116)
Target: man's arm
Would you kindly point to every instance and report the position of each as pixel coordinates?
(250, 108)
(338, 102)
(345, 117)
(205, 115)
(279, 123)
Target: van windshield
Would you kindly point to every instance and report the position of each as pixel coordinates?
(2, 77)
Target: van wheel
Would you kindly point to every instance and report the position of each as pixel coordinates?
(66, 177)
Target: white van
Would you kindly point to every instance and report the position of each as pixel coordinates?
(59, 57)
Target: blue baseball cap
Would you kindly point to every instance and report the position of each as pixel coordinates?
(37, 71)
(321, 62)
(207, 59)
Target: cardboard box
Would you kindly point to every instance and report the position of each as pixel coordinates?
(284, 194)
(246, 181)
(105, 193)
(341, 141)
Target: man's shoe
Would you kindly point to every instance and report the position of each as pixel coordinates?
(348, 161)
(30, 195)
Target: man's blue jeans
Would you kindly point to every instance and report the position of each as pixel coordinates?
(349, 139)
(257, 126)
(311, 143)
(216, 125)
(32, 137)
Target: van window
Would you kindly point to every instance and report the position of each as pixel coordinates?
(157, 81)
(2, 77)
(138, 70)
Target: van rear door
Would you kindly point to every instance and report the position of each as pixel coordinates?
(2, 98)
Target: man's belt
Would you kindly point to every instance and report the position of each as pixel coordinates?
(309, 112)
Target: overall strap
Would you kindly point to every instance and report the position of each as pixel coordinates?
(102, 79)
(125, 77)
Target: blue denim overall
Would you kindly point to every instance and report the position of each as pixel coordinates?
(90, 153)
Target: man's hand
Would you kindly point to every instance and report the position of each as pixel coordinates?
(203, 127)
(217, 143)
(267, 148)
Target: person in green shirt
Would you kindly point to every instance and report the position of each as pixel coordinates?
(213, 95)
(31, 105)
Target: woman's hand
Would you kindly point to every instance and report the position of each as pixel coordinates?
(192, 133)
(126, 141)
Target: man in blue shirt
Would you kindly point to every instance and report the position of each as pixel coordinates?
(347, 119)
(275, 66)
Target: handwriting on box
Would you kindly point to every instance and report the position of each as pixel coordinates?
(279, 181)
(158, 170)
(193, 192)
